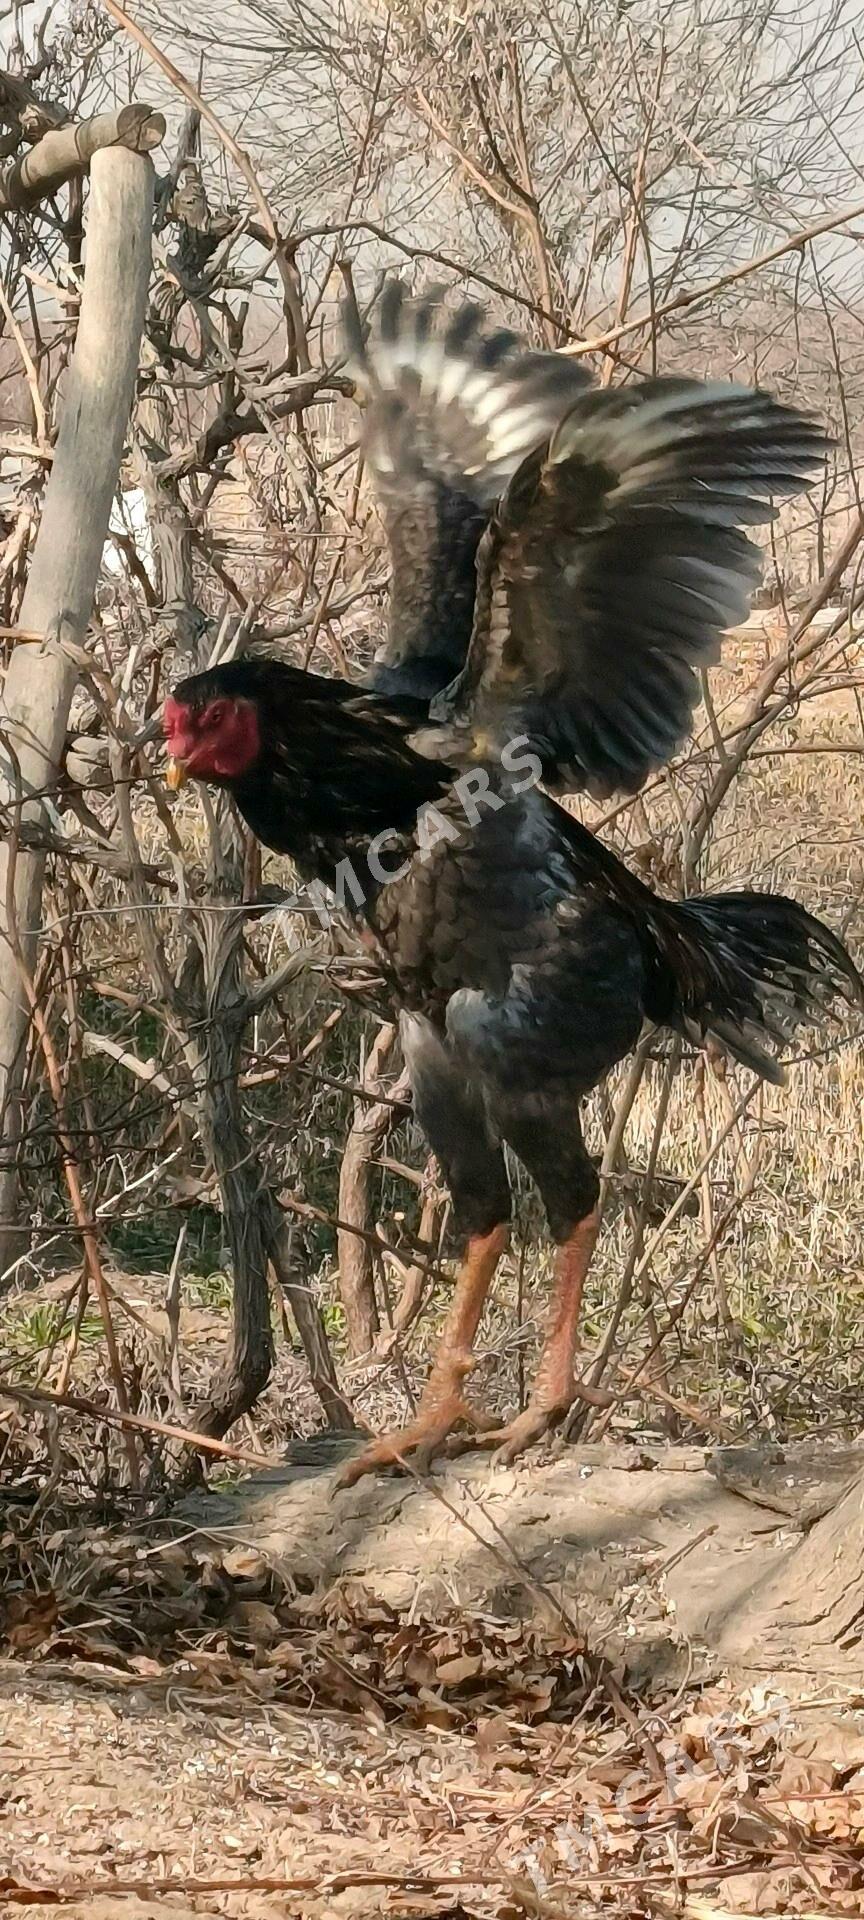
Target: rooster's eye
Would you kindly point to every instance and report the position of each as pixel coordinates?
(215, 715)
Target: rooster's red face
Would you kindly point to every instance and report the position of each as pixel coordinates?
(218, 741)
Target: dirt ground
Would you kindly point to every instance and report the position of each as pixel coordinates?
(646, 1547)
(258, 1704)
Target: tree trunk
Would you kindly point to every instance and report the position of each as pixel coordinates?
(809, 1612)
(58, 599)
(253, 1222)
(369, 1127)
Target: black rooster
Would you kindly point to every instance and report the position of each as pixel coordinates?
(564, 561)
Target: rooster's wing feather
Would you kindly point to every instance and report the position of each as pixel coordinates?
(452, 410)
(614, 562)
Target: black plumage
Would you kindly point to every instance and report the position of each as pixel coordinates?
(564, 561)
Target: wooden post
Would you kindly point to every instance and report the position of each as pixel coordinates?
(41, 679)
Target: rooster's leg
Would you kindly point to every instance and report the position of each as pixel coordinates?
(451, 1109)
(443, 1408)
(549, 1143)
(556, 1386)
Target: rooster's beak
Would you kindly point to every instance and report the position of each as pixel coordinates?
(175, 775)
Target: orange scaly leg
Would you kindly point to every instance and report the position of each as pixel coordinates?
(443, 1407)
(555, 1387)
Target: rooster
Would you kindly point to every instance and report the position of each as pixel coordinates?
(564, 560)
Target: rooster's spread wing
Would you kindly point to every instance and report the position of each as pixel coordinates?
(614, 562)
(452, 410)
(584, 547)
